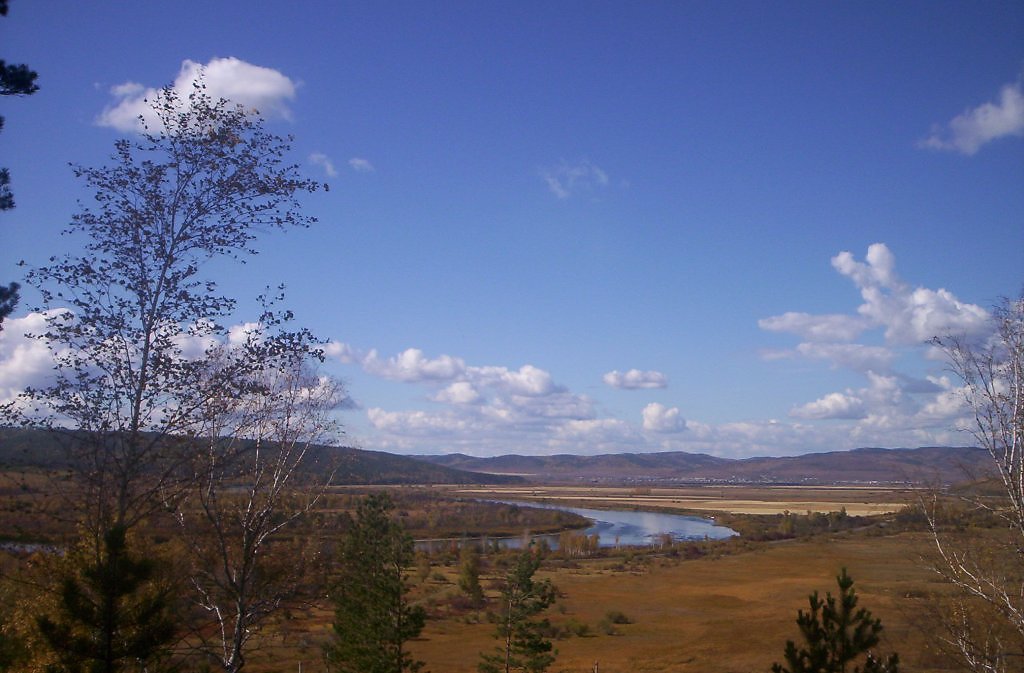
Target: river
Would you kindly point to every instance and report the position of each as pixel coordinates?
(617, 527)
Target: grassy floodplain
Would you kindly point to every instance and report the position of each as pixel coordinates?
(708, 607)
(729, 611)
(857, 500)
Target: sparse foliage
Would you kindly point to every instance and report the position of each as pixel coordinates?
(373, 618)
(252, 482)
(836, 634)
(132, 325)
(138, 334)
(524, 647)
(985, 624)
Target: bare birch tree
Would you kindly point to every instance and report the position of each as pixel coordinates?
(135, 324)
(130, 318)
(256, 478)
(985, 623)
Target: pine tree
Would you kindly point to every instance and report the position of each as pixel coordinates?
(836, 634)
(112, 615)
(469, 573)
(373, 618)
(524, 647)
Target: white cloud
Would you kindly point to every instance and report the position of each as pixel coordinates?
(460, 392)
(816, 327)
(593, 436)
(909, 315)
(658, 418)
(341, 352)
(24, 361)
(527, 381)
(323, 161)
(264, 90)
(635, 379)
(361, 165)
(412, 365)
(565, 179)
(968, 132)
(833, 405)
(857, 357)
(416, 423)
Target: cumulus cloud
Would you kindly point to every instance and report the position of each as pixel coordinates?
(24, 361)
(412, 365)
(968, 132)
(634, 379)
(816, 327)
(833, 405)
(323, 161)
(418, 423)
(565, 179)
(910, 315)
(659, 418)
(460, 392)
(263, 90)
(361, 165)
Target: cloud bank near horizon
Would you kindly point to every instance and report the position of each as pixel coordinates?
(487, 409)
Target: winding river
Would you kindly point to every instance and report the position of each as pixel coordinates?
(635, 528)
(617, 527)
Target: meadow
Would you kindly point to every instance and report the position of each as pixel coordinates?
(714, 607)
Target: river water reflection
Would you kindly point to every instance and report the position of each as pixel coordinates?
(622, 527)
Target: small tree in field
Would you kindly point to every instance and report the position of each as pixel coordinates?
(113, 615)
(373, 618)
(469, 573)
(523, 647)
(836, 635)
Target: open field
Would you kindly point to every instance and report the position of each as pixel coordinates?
(728, 611)
(717, 614)
(857, 500)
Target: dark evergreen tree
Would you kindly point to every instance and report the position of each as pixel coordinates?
(469, 573)
(524, 647)
(8, 300)
(373, 618)
(112, 615)
(836, 635)
(15, 80)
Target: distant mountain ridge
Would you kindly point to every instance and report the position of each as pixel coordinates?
(864, 465)
(21, 448)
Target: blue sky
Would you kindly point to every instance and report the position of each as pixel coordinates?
(585, 227)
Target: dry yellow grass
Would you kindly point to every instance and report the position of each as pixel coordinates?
(726, 615)
(731, 614)
(858, 501)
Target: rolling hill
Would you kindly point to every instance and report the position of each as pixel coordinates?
(865, 465)
(21, 448)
